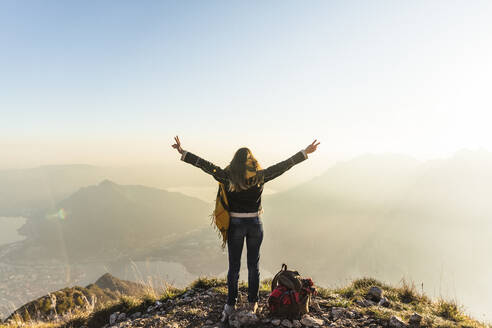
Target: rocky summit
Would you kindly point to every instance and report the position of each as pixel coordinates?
(203, 307)
(364, 303)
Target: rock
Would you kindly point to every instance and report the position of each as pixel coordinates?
(337, 313)
(121, 316)
(375, 293)
(396, 322)
(365, 303)
(136, 315)
(242, 318)
(384, 302)
(415, 320)
(326, 317)
(113, 317)
(351, 314)
(276, 322)
(296, 324)
(286, 323)
(309, 321)
(209, 322)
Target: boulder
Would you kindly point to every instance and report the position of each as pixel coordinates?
(375, 293)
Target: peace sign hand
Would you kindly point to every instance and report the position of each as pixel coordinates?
(312, 147)
(177, 145)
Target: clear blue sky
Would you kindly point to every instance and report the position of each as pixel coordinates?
(106, 82)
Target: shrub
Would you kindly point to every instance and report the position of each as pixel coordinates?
(365, 283)
(408, 292)
(449, 310)
(205, 283)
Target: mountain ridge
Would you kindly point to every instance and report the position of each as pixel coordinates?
(101, 218)
(68, 300)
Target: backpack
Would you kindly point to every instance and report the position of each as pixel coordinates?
(291, 294)
(220, 216)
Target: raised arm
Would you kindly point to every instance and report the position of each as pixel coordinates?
(274, 171)
(208, 167)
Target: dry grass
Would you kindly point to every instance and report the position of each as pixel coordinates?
(405, 299)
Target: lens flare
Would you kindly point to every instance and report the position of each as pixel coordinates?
(61, 214)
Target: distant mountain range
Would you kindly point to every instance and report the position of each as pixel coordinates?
(385, 204)
(28, 192)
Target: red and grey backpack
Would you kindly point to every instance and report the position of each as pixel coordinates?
(291, 294)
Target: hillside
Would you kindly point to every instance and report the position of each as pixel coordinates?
(364, 303)
(78, 299)
(108, 220)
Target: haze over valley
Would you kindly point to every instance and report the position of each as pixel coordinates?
(387, 216)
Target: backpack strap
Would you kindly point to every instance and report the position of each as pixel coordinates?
(275, 279)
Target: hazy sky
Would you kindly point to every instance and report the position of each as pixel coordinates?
(110, 82)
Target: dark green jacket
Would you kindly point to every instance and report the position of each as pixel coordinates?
(245, 201)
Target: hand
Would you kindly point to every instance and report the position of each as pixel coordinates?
(177, 145)
(312, 147)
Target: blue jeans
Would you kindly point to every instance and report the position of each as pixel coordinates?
(250, 229)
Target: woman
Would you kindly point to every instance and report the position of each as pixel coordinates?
(244, 180)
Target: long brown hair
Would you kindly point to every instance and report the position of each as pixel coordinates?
(237, 170)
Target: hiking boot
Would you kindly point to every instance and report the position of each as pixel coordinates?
(252, 307)
(226, 313)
